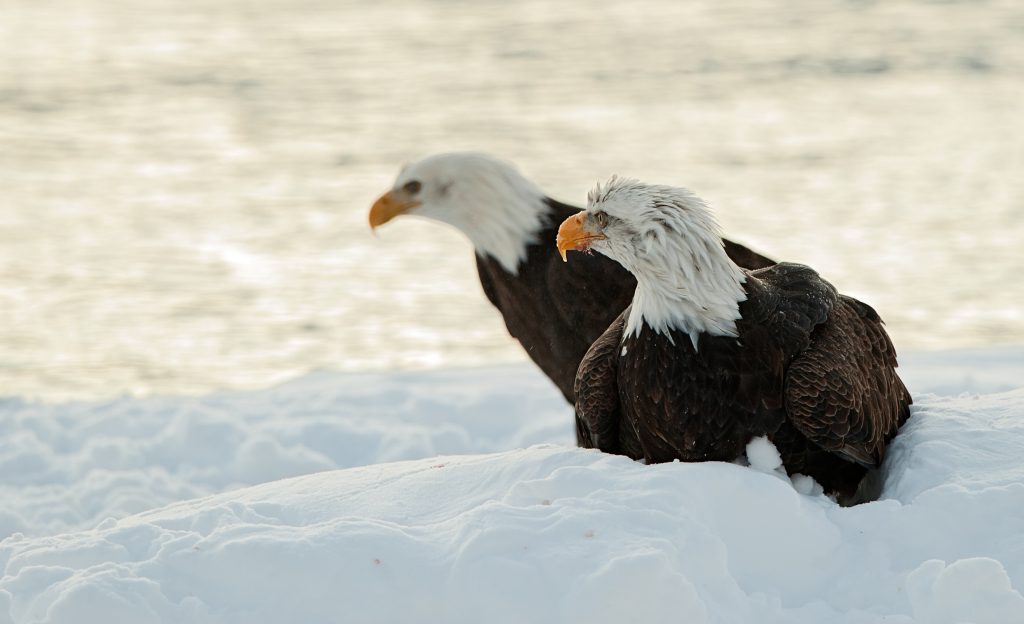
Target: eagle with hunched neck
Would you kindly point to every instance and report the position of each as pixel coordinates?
(710, 355)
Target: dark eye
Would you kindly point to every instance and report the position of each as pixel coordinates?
(412, 187)
(601, 218)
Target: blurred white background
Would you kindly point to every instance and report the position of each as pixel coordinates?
(184, 184)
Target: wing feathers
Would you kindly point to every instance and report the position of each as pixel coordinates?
(843, 392)
(597, 394)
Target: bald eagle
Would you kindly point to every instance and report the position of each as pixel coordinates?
(709, 355)
(556, 312)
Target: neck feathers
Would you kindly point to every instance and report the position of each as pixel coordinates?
(685, 280)
(504, 212)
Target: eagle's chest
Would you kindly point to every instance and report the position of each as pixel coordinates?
(693, 405)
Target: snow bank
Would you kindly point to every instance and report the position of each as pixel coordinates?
(67, 467)
(542, 534)
(557, 534)
(952, 372)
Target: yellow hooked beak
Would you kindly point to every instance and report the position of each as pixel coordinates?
(389, 206)
(574, 234)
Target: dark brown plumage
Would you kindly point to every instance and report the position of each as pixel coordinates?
(556, 310)
(812, 370)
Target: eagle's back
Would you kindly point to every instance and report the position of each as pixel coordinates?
(556, 310)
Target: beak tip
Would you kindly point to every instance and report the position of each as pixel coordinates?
(387, 207)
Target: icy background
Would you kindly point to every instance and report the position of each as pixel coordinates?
(185, 182)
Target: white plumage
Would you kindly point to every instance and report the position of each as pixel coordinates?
(486, 198)
(672, 244)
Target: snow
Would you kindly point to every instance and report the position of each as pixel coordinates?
(457, 496)
(67, 467)
(763, 455)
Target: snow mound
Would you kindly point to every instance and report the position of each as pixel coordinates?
(68, 467)
(559, 534)
(956, 371)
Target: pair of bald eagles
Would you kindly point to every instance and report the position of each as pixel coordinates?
(673, 343)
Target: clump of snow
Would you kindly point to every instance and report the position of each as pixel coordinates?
(549, 533)
(806, 485)
(975, 589)
(763, 455)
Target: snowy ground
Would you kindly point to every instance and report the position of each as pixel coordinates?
(531, 530)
